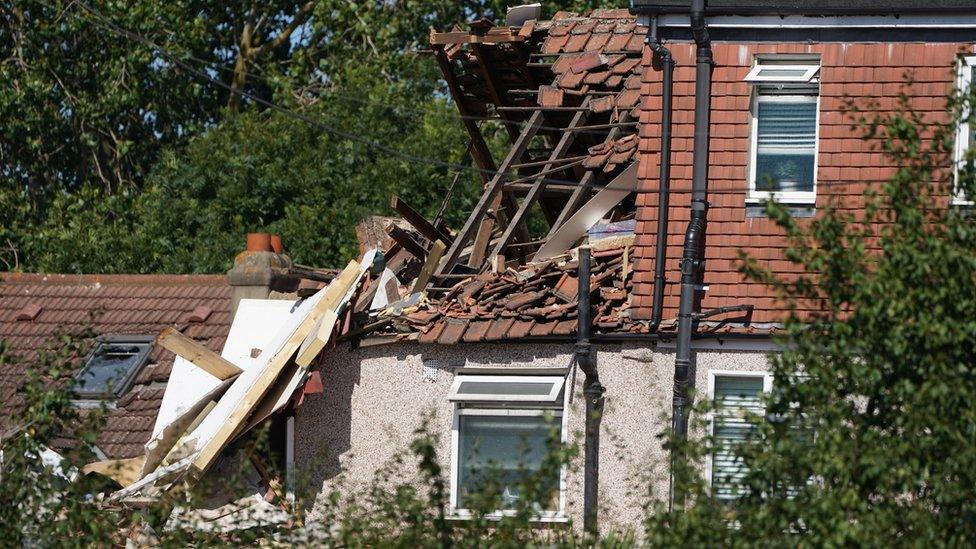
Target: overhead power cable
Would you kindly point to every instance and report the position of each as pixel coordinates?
(107, 24)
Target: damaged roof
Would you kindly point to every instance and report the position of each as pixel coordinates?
(36, 308)
(538, 302)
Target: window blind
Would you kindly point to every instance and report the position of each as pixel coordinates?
(736, 397)
(786, 144)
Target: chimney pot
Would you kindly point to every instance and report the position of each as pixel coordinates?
(259, 242)
(276, 245)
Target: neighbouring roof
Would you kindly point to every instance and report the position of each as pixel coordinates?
(35, 308)
(807, 7)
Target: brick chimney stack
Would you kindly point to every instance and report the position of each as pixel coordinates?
(260, 268)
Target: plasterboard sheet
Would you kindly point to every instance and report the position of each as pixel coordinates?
(253, 327)
(237, 391)
(576, 226)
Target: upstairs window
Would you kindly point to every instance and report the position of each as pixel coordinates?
(785, 120)
(112, 366)
(966, 133)
(504, 428)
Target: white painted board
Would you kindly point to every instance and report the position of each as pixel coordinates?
(237, 391)
(253, 327)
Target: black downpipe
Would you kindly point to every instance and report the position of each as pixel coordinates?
(692, 258)
(664, 175)
(593, 393)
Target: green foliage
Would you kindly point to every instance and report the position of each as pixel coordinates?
(114, 158)
(870, 426)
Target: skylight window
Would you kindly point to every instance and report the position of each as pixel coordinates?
(112, 366)
(800, 74)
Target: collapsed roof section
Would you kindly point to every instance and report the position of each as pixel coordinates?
(566, 91)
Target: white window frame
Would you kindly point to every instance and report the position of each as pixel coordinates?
(787, 197)
(807, 90)
(556, 381)
(964, 79)
(710, 417)
(460, 409)
(754, 75)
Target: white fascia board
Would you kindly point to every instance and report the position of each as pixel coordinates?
(810, 22)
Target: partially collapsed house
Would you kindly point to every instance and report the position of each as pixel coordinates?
(641, 148)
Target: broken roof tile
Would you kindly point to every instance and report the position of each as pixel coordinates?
(520, 329)
(597, 77)
(618, 43)
(453, 331)
(584, 27)
(561, 29)
(550, 96)
(571, 80)
(576, 43)
(626, 65)
(554, 44)
(564, 63)
(597, 41)
(521, 301)
(588, 62)
(602, 104)
(476, 331)
(499, 328)
(628, 99)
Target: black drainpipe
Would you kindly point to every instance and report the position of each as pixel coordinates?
(593, 393)
(692, 259)
(664, 176)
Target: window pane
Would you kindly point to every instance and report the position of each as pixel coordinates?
(505, 388)
(108, 367)
(499, 451)
(785, 146)
(782, 73)
(735, 398)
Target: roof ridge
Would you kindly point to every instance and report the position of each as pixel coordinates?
(113, 279)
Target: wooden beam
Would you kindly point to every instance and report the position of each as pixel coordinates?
(123, 471)
(479, 148)
(540, 181)
(211, 448)
(436, 252)
(493, 91)
(320, 335)
(550, 161)
(404, 239)
(498, 35)
(550, 171)
(511, 125)
(205, 359)
(418, 221)
(479, 248)
(576, 199)
(538, 108)
(493, 188)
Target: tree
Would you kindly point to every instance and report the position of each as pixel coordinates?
(869, 429)
(107, 117)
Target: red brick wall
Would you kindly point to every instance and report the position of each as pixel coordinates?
(846, 163)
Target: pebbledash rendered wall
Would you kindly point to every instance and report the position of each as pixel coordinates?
(376, 398)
